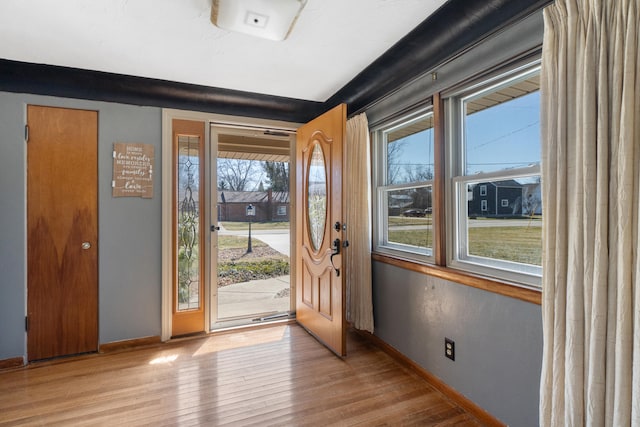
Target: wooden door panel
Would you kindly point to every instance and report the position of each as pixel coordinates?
(320, 286)
(307, 288)
(62, 212)
(324, 295)
(45, 330)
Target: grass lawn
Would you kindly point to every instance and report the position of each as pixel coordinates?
(236, 225)
(237, 242)
(420, 238)
(401, 220)
(518, 244)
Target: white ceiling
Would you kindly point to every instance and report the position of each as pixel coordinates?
(332, 41)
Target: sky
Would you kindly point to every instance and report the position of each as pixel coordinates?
(504, 136)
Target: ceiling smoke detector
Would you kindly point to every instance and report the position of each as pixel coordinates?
(269, 19)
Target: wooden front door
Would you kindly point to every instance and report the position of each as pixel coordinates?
(320, 284)
(188, 313)
(62, 232)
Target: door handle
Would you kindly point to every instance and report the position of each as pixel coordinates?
(86, 245)
(336, 251)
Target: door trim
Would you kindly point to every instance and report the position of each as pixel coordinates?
(168, 115)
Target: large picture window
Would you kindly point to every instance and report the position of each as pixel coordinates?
(495, 177)
(404, 183)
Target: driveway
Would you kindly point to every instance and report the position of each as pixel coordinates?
(278, 239)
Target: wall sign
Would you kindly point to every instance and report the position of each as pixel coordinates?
(132, 170)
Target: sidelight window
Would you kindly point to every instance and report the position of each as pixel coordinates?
(187, 214)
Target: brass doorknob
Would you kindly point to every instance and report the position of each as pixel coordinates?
(86, 245)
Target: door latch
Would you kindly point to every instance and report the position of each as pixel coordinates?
(336, 251)
(337, 226)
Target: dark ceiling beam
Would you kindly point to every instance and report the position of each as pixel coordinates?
(452, 29)
(23, 77)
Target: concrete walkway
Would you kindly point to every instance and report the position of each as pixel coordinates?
(257, 297)
(278, 241)
(254, 297)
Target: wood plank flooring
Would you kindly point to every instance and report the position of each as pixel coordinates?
(276, 376)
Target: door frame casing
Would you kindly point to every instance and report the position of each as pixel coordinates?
(168, 115)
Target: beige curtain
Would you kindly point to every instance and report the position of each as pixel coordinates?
(591, 189)
(358, 219)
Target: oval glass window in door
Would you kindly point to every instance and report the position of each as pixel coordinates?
(317, 197)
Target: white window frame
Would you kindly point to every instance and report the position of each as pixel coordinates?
(456, 191)
(281, 210)
(504, 203)
(484, 207)
(483, 190)
(381, 242)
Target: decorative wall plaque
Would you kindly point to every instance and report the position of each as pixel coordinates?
(132, 170)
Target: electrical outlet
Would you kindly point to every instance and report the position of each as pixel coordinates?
(449, 349)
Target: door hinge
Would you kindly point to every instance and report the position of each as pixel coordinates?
(26, 323)
(26, 133)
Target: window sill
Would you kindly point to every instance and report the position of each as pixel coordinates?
(487, 284)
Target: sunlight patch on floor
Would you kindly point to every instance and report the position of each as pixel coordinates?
(239, 340)
(164, 359)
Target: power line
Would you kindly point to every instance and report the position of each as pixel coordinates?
(410, 164)
(501, 163)
(504, 136)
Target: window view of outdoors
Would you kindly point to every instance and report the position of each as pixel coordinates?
(408, 190)
(317, 197)
(253, 250)
(502, 135)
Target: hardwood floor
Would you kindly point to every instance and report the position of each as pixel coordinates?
(277, 376)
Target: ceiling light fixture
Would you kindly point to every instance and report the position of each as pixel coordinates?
(269, 19)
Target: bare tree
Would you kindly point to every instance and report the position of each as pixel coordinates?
(236, 174)
(418, 173)
(394, 151)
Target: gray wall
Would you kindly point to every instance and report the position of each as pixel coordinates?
(498, 340)
(129, 228)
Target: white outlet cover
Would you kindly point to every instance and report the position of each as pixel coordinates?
(254, 19)
(270, 19)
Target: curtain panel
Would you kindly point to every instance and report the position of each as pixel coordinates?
(590, 82)
(358, 219)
